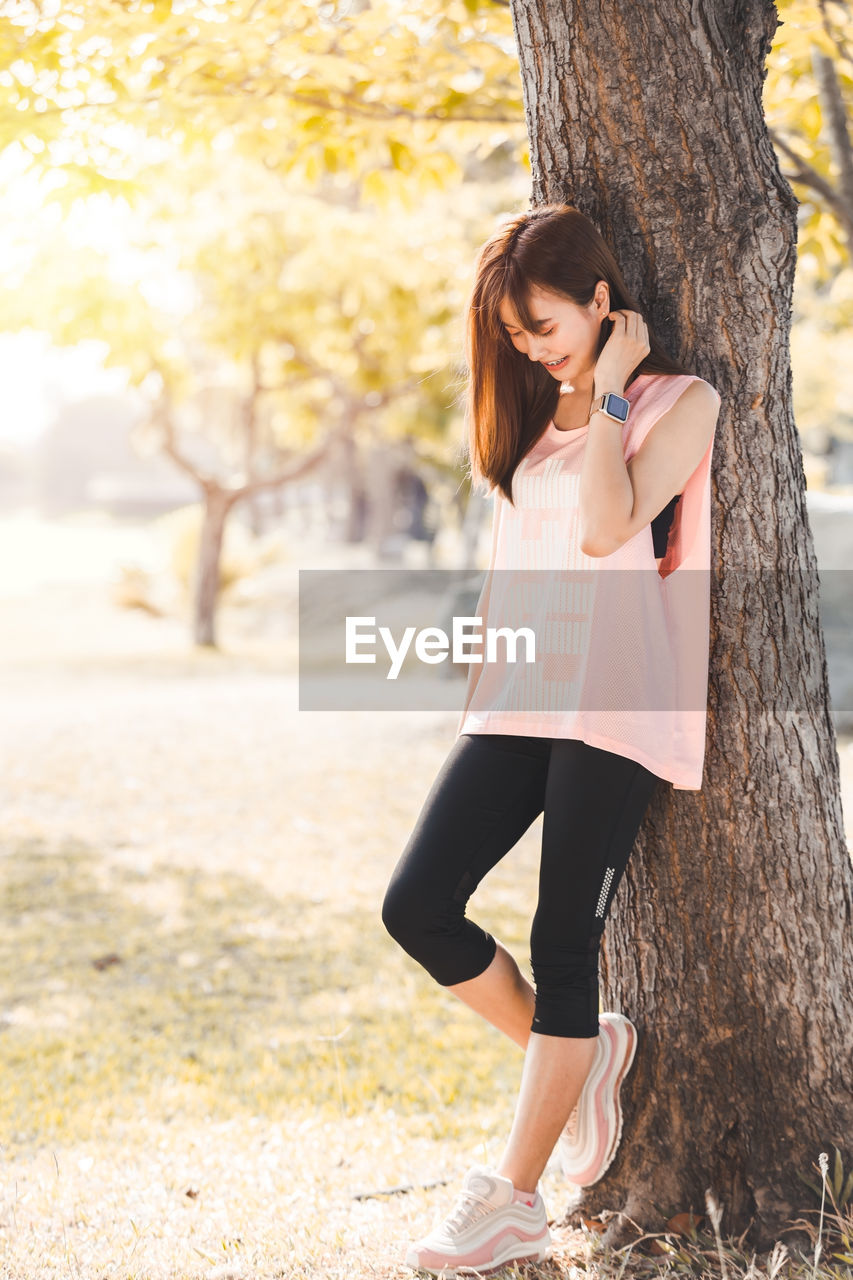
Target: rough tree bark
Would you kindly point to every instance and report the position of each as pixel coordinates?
(729, 940)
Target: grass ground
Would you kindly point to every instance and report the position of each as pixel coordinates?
(210, 1061)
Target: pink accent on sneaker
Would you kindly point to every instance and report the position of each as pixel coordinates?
(487, 1227)
(590, 1139)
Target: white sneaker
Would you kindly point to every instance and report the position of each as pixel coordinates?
(485, 1229)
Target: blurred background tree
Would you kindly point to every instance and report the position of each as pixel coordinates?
(807, 100)
(295, 164)
(304, 188)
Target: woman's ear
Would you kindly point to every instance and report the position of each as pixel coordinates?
(599, 307)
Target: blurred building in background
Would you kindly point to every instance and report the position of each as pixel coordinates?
(86, 459)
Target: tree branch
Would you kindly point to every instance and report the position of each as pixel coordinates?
(836, 117)
(294, 472)
(809, 176)
(837, 39)
(347, 106)
(162, 415)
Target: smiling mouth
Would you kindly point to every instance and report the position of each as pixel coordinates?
(555, 364)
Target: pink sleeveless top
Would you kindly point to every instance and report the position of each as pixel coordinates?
(621, 656)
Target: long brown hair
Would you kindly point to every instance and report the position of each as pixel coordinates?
(510, 399)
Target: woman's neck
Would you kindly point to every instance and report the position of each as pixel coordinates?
(573, 406)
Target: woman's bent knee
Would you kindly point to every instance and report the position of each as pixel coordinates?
(397, 912)
(436, 932)
(412, 918)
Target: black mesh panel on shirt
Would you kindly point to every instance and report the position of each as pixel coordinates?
(661, 526)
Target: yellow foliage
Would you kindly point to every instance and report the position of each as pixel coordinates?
(282, 77)
(796, 114)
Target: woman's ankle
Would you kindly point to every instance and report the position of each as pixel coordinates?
(523, 1197)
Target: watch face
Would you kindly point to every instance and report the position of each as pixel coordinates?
(617, 406)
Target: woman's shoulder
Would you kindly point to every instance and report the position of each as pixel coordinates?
(667, 383)
(657, 393)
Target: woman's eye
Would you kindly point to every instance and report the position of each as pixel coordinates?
(546, 332)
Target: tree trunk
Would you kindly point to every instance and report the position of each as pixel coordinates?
(357, 504)
(836, 133)
(216, 507)
(729, 942)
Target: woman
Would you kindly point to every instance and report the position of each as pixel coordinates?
(593, 441)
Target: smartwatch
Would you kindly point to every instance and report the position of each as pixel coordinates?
(616, 407)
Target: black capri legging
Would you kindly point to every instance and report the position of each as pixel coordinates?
(489, 790)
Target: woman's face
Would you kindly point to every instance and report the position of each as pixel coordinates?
(566, 340)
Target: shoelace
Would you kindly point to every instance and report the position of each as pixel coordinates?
(464, 1211)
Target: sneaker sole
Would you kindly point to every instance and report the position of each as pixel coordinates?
(631, 1033)
(502, 1257)
(604, 1107)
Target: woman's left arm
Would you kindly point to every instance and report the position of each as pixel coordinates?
(622, 498)
(617, 499)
